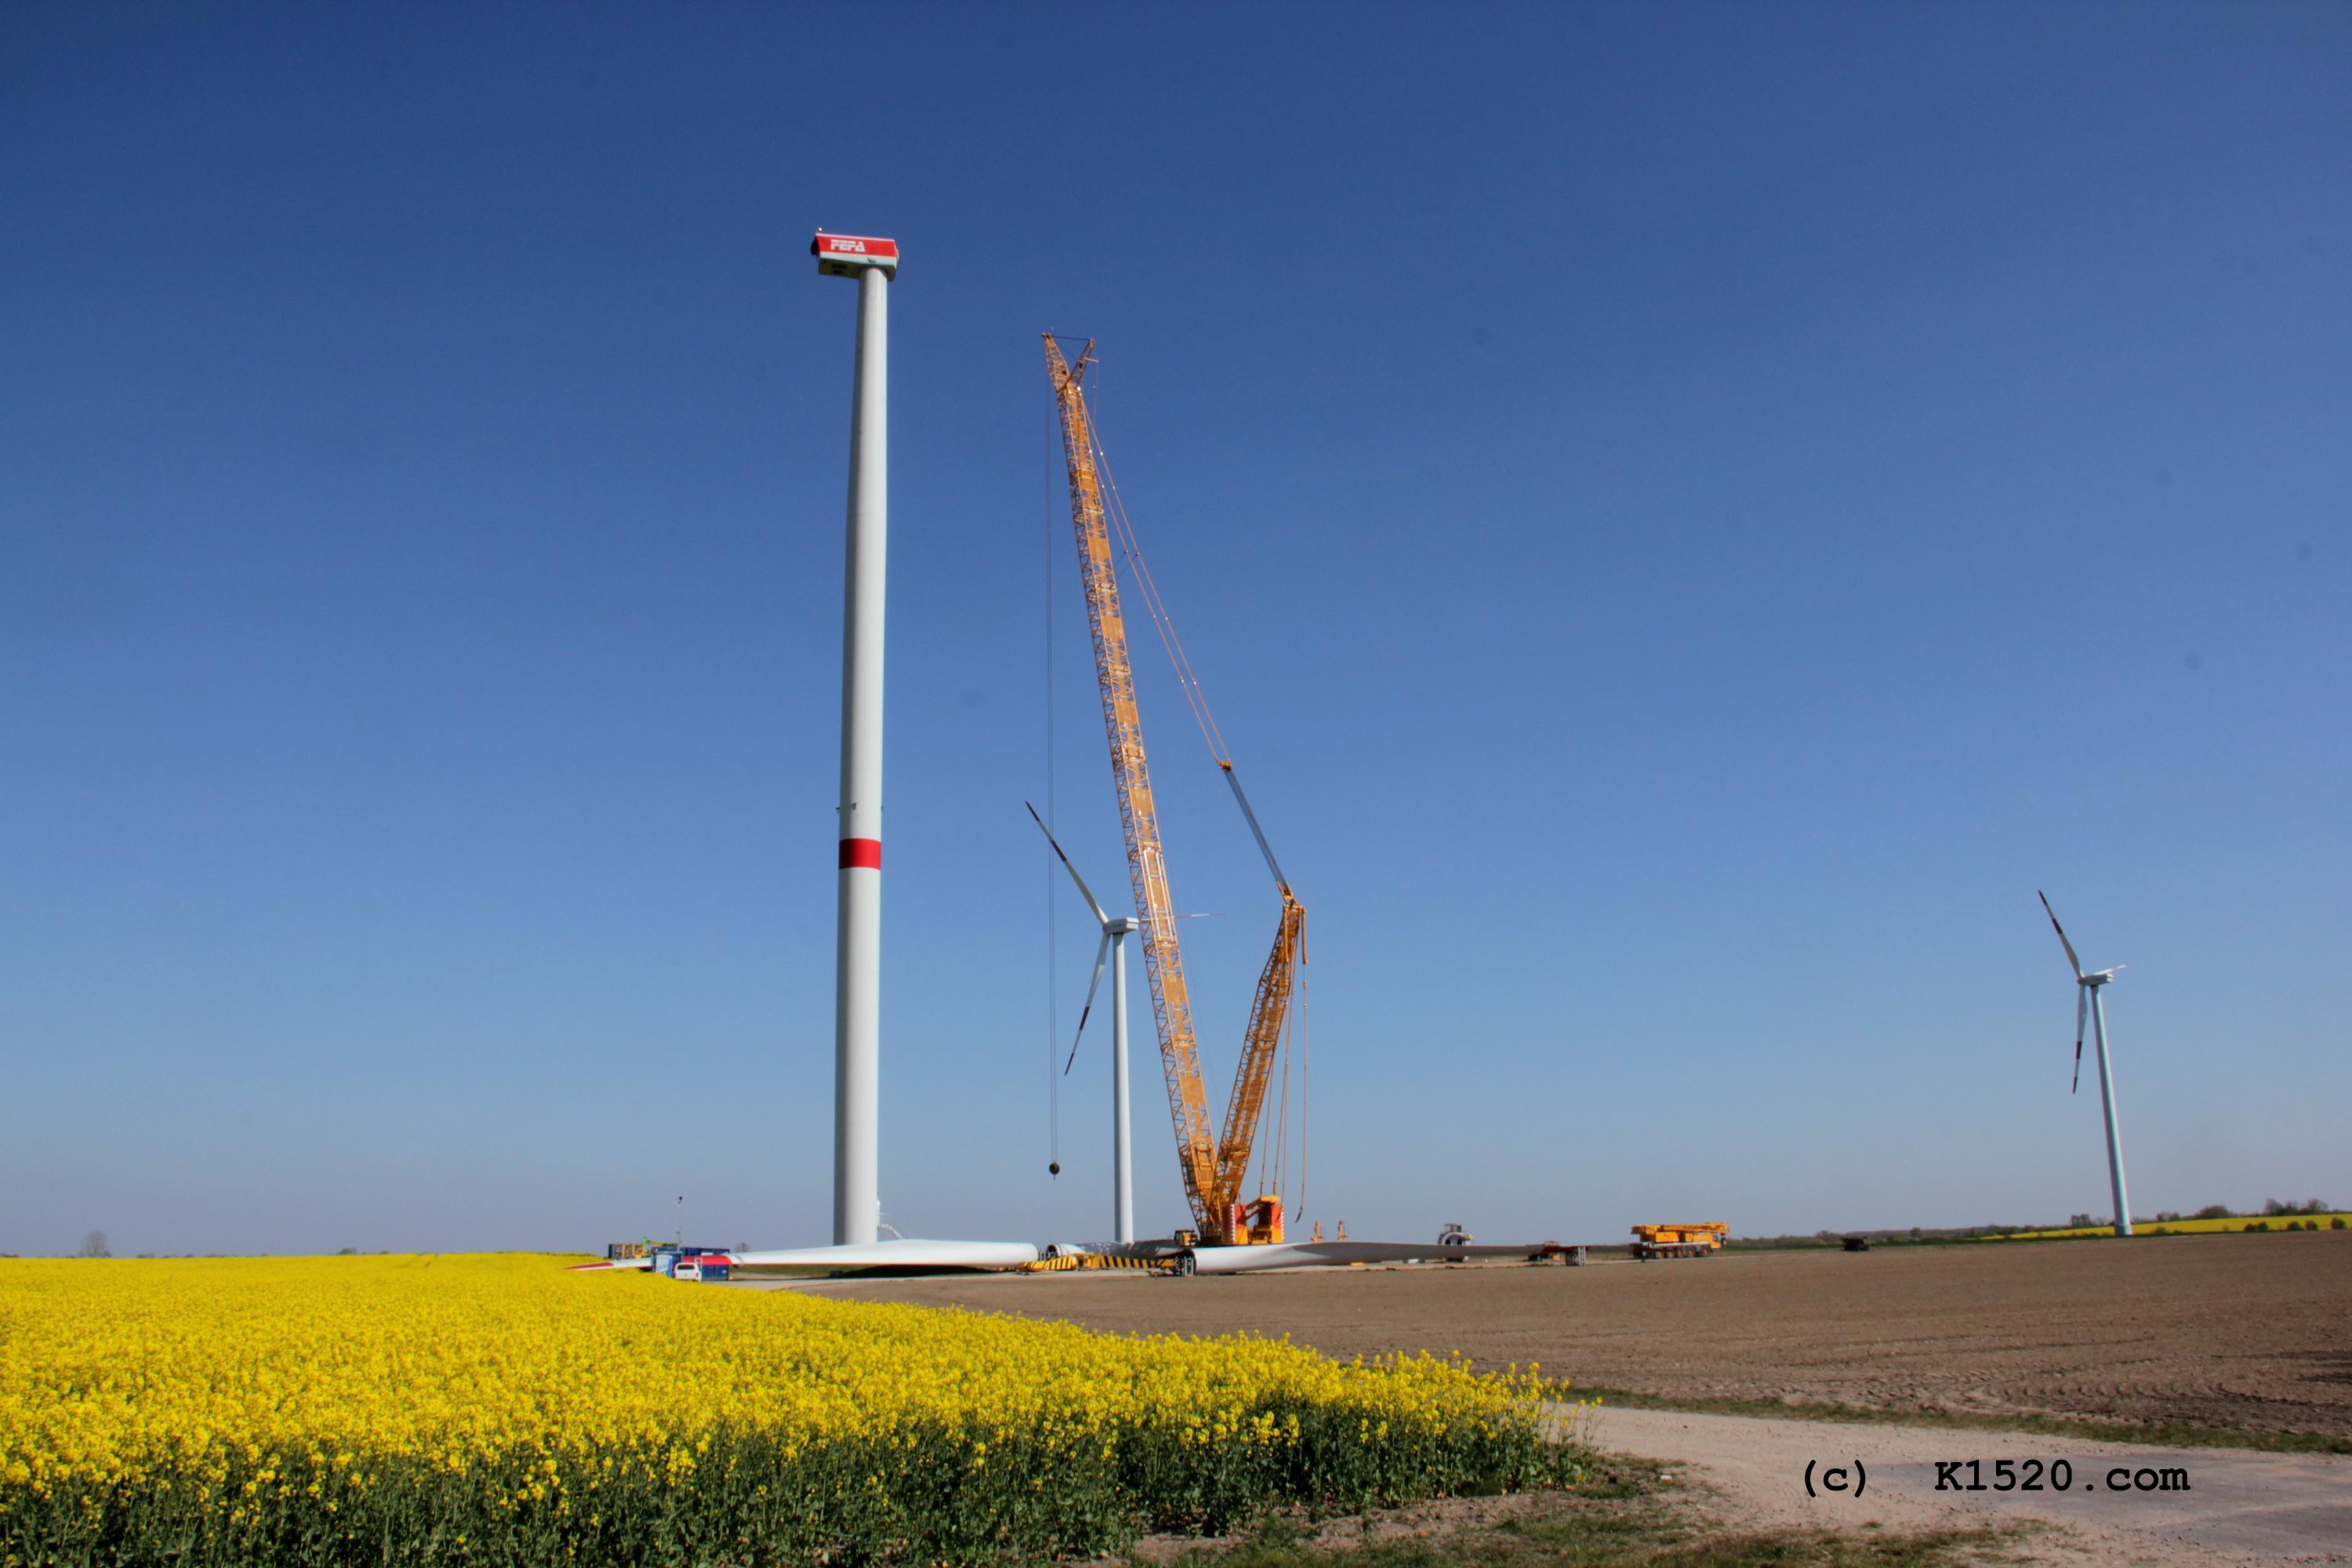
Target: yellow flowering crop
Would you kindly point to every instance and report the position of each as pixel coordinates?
(502, 1409)
(2278, 1222)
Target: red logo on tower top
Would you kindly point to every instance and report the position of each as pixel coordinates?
(853, 248)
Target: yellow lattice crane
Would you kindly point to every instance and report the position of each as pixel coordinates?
(1216, 1164)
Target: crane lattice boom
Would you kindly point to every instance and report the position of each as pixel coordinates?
(1214, 1168)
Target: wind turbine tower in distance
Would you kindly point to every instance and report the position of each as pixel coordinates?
(1115, 933)
(2087, 1000)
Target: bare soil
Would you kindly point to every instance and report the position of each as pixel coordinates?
(2247, 1333)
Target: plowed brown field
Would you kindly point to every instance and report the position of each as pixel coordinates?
(2247, 1333)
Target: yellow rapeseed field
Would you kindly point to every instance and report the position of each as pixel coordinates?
(2255, 1223)
(502, 1409)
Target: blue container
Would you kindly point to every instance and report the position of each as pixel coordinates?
(713, 1271)
(666, 1262)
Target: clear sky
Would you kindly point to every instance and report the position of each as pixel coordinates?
(1688, 517)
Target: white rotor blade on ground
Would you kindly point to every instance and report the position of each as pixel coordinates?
(1102, 953)
(904, 1252)
(2073, 961)
(1065, 859)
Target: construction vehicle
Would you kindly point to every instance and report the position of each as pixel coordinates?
(1214, 1160)
(1572, 1254)
(1677, 1241)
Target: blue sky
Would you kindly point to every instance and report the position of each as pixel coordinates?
(1688, 517)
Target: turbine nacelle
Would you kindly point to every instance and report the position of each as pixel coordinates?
(1111, 931)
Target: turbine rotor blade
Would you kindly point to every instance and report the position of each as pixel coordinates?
(2075, 962)
(2082, 1009)
(1102, 953)
(1099, 917)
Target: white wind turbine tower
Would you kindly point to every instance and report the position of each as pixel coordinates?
(1114, 946)
(2087, 1001)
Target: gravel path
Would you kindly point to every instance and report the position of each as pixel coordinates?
(2239, 1507)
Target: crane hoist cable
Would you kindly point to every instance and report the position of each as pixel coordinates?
(1186, 680)
(1052, 883)
(1157, 608)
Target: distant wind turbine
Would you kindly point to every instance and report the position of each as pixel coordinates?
(2087, 1001)
(1114, 947)
(1115, 933)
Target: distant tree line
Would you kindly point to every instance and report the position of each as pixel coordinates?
(95, 1245)
(2273, 1208)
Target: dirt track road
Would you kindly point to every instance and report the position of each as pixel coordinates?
(2239, 1507)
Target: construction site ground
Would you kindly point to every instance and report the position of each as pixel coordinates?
(2249, 1333)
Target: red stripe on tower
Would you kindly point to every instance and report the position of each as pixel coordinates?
(861, 852)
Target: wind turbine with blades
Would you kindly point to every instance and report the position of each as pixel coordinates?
(2087, 1002)
(1115, 933)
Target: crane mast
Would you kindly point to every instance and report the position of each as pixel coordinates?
(1214, 1168)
